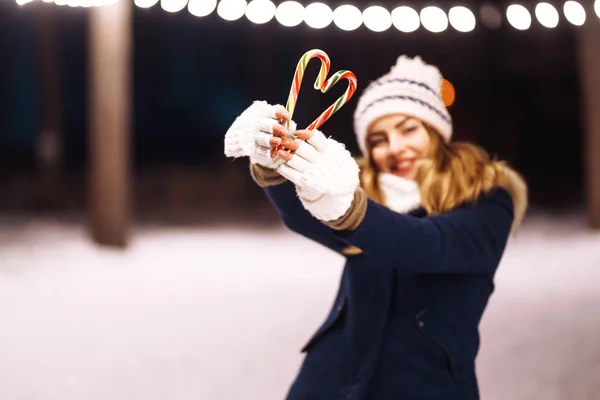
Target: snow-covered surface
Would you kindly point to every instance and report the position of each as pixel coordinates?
(221, 313)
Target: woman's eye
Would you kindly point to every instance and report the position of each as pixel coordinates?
(377, 142)
(410, 129)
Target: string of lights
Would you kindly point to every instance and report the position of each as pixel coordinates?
(319, 15)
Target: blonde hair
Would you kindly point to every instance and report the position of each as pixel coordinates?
(456, 173)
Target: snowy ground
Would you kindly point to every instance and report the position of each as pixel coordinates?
(221, 314)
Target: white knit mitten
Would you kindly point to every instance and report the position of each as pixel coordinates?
(325, 174)
(250, 133)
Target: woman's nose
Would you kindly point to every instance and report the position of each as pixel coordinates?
(397, 145)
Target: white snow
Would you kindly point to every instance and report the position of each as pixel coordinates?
(221, 313)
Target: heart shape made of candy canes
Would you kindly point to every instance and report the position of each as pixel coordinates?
(322, 84)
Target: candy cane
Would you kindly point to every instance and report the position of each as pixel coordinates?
(299, 74)
(352, 83)
(320, 84)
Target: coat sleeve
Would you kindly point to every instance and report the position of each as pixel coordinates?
(468, 240)
(297, 219)
(282, 194)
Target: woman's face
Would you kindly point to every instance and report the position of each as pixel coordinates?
(397, 142)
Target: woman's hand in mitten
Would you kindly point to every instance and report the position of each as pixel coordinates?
(324, 172)
(252, 134)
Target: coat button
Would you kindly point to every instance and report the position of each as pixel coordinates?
(421, 324)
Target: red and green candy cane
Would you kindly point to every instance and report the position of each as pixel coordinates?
(322, 84)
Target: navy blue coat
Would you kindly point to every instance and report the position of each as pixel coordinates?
(404, 324)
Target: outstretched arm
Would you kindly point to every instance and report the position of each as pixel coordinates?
(470, 239)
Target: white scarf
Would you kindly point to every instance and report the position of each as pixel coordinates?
(400, 194)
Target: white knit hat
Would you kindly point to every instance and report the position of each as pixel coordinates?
(412, 87)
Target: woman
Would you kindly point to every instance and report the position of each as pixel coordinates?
(423, 225)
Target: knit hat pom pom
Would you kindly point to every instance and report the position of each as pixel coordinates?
(416, 68)
(406, 64)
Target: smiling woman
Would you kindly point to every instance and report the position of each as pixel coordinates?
(404, 131)
(406, 147)
(423, 224)
(397, 142)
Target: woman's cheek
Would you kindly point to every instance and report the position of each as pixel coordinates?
(379, 157)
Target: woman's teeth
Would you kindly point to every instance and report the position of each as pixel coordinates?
(403, 164)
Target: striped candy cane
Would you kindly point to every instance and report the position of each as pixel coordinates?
(299, 74)
(343, 99)
(320, 84)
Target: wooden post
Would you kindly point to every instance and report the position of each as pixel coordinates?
(49, 140)
(589, 78)
(109, 123)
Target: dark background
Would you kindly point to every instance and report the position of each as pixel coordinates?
(517, 94)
